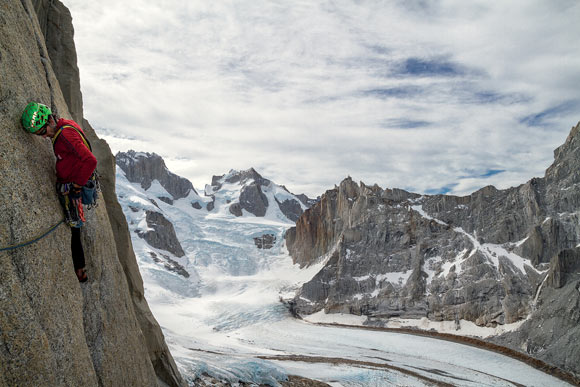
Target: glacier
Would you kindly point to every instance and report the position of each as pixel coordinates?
(226, 319)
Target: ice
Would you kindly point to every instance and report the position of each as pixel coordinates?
(227, 320)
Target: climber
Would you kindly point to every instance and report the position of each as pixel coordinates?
(75, 165)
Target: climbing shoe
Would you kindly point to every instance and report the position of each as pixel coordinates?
(82, 275)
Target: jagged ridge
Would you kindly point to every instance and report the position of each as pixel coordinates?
(482, 257)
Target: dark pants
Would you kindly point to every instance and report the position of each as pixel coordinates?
(78, 254)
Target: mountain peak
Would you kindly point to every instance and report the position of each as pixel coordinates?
(144, 167)
(253, 191)
(235, 176)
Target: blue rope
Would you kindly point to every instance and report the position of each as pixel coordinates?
(14, 247)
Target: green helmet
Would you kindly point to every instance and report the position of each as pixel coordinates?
(35, 116)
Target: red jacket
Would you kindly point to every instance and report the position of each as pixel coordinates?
(74, 161)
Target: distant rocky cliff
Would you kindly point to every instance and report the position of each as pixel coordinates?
(143, 168)
(493, 257)
(54, 331)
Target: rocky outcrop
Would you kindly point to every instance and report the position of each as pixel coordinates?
(482, 257)
(144, 168)
(53, 331)
(306, 200)
(240, 177)
(169, 264)
(564, 268)
(161, 234)
(235, 209)
(253, 200)
(265, 241)
(291, 208)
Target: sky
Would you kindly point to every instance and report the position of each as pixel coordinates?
(443, 96)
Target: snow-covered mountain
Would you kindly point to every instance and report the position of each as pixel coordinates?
(161, 205)
(237, 192)
(214, 276)
(246, 192)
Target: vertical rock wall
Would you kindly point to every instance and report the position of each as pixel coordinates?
(53, 330)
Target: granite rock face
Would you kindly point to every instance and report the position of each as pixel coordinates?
(483, 257)
(144, 168)
(56, 25)
(54, 331)
(552, 331)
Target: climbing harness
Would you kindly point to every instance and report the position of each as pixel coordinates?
(33, 240)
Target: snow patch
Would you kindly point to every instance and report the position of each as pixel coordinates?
(363, 278)
(519, 243)
(399, 278)
(457, 262)
(419, 209)
(158, 190)
(462, 327)
(394, 277)
(335, 318)
(430, 266)
(492, 252)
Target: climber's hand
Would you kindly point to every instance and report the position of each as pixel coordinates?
(75, 192)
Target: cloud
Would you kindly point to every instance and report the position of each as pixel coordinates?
(492, 172)
(544, 117)
(429, 96)
(436, 67)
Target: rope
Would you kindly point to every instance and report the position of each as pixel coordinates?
(31, 241)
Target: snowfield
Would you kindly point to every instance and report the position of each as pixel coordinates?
(226, 318)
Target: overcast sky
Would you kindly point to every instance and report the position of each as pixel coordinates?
(430, 96)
